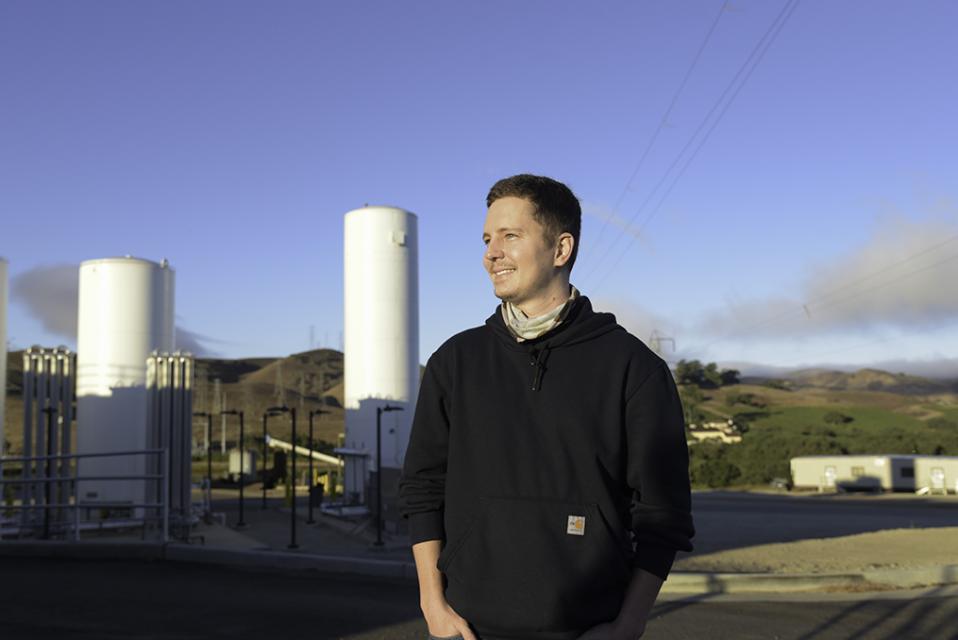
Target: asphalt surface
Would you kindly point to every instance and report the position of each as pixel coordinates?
(730, 520)
(55, 598)
(723, 520)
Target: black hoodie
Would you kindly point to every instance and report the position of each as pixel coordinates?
(533, 461)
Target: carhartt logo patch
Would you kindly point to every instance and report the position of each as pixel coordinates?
(576, 526)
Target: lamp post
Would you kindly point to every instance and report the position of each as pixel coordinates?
(271, 412)
(242, 455)
(379, 471)
(209, 449)
(292, 476)
(313, 412)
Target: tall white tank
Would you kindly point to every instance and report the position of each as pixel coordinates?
(380, 338)
(125, 312)
(3, 355)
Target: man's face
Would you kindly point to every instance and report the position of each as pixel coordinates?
(517, 258)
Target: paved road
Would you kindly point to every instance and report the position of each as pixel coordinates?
(50, 598)
(729, 520)
(723, 519)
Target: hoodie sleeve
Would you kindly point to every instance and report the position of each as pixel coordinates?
(658, 472)
(423, 480)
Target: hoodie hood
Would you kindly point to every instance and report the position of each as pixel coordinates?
(580, 325)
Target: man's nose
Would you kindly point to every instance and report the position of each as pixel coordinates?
(493, 250)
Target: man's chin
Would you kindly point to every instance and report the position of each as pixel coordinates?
(505, 296)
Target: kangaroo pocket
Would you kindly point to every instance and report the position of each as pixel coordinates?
(536, 565)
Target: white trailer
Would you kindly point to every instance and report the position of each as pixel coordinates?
(878, 472)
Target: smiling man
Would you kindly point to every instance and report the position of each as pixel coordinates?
(546, 479)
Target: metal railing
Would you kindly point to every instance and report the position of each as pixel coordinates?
(52, 511)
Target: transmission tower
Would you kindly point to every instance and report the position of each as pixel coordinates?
(656, 340)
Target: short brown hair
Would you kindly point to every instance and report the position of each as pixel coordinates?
(556, 207)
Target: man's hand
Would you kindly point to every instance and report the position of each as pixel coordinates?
(441, 619)
(444, 622)
(611, 631)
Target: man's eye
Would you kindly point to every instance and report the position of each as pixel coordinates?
(511, 235)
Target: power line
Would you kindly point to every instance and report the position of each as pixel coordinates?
(747, 67)
(661, 125)
(901, 277)
(830, 294)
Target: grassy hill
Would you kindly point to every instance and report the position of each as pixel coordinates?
(870, 380)
(824, 412)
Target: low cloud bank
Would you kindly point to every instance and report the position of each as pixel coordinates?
(50, 293)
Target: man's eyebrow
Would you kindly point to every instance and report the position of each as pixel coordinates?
(500, 229)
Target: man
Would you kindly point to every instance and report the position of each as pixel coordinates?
(539, 441)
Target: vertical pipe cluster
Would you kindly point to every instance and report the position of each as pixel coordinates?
(49, 391)
(169, 383)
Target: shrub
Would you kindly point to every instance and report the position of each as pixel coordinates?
(835, 417)
(943, 424)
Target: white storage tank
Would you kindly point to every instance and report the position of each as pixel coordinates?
(381, 341)
(125, 312)
(3, 355)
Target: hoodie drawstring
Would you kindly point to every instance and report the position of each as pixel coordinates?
(538, 360)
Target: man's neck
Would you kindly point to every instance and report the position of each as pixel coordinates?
(553, 297)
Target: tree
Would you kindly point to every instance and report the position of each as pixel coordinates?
(717, 473)
(711, 375)
(730, 376)
(688, 372)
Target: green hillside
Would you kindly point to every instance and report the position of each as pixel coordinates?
(838, 417)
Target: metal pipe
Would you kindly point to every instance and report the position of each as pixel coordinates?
(166, 500)
(65, 436)
(53, 479)
(187, 426)
(379, 478)
(276, 443)
(241, 524)
(177, 468)
(87, 455)
(309, 492)
(209, 450)
(265, 416)
(46, 474)
(76, 503)
(40, 431)
(64, 505)
(242, 445)
(53, 420)
(29, 393)
(292, 486)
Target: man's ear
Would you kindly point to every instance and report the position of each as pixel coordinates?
(563, 251)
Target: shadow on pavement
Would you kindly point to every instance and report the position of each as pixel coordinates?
(44, 597)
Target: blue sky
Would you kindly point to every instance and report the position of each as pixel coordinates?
(230, 137)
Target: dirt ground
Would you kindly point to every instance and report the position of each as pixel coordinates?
(889, 549)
